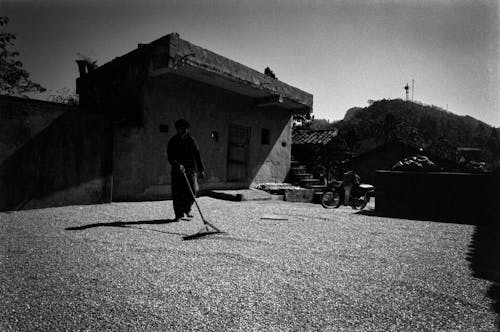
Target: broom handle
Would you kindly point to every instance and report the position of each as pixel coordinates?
(194, 197)
(192, 192)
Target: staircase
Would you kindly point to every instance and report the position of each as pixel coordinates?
(299, 176)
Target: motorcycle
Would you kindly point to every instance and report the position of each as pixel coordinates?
(359, 196)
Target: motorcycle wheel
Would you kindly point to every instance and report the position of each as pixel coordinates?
(366, 199)
(360, 203)
(330, 200)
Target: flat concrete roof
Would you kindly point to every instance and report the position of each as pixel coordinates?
(171, 54)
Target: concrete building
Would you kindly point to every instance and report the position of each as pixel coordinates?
(240, 117)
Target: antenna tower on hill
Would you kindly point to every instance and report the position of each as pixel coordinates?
(412, 88)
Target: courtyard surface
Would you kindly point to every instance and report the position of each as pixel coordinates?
(279, 267)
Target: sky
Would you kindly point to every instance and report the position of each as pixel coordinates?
(343, 52)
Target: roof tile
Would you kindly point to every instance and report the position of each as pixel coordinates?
(314, 136)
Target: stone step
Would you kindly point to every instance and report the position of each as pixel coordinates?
(308, 182)
(317, 187)
(301, 176)
(298, 169)
(299, 195)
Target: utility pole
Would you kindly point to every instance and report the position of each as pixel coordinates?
(412, 88)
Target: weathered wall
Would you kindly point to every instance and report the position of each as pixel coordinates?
(63, 164)
(451, 197)
(23, 118)
(140, 165)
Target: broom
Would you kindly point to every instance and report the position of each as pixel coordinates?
(205, 230)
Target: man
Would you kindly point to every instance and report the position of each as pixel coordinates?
(183, 152)
(350, 182)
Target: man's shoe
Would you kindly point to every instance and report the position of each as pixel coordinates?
(189, 215)
(177, 219)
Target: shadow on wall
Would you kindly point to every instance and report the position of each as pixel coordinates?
(64, 164)
(268, 162)
(266, 155)
(273, 162)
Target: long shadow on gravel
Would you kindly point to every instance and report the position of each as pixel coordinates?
(444, 219)
(121, 224)
(484, 258)
(484, 249)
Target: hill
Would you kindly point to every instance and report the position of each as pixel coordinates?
(427, 126)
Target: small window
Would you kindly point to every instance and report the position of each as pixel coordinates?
(266, 134)
(215, 136)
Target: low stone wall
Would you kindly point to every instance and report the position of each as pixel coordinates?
(299, 195)
(451, 197)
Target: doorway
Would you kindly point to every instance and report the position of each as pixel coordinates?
(237, 153)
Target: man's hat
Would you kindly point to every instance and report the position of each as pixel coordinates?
(181, 123)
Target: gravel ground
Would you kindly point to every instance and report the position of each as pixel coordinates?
(122, 267)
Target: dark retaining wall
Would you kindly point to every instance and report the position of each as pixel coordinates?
(21, 119)
(64, 164)
(447, 197)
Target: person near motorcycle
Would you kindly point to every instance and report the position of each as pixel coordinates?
(350, 181)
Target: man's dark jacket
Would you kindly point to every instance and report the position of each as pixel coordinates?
(184, 150)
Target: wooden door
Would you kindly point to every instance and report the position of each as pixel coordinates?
(237, 153)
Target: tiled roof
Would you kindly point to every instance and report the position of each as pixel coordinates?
(314, 136)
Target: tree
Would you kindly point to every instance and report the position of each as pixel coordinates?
(493, 144)
(321, 124)
(14, 79)
(389, 126)
(302, 121)
(65, 96)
